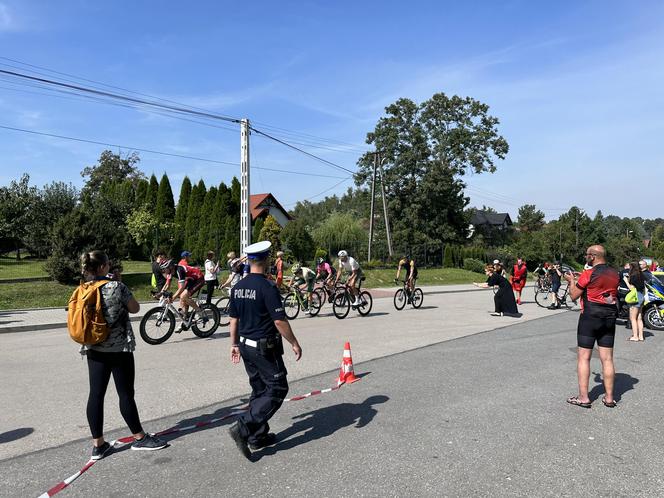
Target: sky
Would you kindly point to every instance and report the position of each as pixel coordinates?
(577, 87)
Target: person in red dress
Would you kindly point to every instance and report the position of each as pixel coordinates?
(519, 273)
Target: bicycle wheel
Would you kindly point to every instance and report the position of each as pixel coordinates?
(563, 296)
(291, 306)
(222, 305)
(341, 305)
(321, 297)
(542, 298)
(206, 321)
(417, 297)
(157, 325)
(316, 303)
(366, 302)
(399, 299)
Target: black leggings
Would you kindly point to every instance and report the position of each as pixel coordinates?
(100, 368)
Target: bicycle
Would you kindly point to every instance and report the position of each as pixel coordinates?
(326, 293)
(222, 304)
(405, 295)
(295, 301)
(158, 323)
(542, 296)
(341, 304)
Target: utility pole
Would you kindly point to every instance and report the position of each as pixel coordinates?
(245, 215)
(387, 221)
(373, 205)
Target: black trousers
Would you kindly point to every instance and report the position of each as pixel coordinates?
(100, 368)
(269, 386)
(211, 284)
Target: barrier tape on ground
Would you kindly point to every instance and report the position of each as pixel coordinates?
(129, 439)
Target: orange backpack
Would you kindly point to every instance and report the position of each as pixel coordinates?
(85, 318)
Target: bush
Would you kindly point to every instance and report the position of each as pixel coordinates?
(472, 264)
(373, 264)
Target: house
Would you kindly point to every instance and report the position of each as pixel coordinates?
(486, 219)
(262, 205)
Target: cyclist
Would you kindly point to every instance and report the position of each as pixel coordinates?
(555, 275)
(190, 281)
(351, 267)
(410, 268)
(304, 276)
(326, 273)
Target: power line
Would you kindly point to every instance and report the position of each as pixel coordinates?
(161, 153)
(325, 161)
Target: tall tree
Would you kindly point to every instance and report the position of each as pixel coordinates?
(16, 203)
(425, 149)
(298, 240)
(165, 205)
(152, 193)
(111, 168)
(530, 219)
(194, 212)
(271, 231)
(206, 240)
(141, 192)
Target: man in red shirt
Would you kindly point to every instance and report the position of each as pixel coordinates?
(519, 275)
(598, 288)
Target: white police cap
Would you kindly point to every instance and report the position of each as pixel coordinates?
(259, 250)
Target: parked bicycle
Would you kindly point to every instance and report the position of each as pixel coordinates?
(405, 295)
(342, 303)
(543, 297)
(296, 300)
(158, 324)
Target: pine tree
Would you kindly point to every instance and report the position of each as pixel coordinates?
(256, 230)
(205, 240)
(141, 192)
(194, 216)
(151, 194)
(271, 231)
(181, 217)
(447, 257)
(165, 207)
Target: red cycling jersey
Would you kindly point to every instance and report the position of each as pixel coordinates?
(600, 290)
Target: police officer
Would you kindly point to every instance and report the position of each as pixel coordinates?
(258, 323)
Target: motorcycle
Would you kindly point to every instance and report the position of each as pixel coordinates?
(653, 305)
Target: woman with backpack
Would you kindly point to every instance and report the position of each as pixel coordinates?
(114, 355)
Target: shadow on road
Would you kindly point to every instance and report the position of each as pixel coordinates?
(622, 384)
(13, 435)
(324, 422)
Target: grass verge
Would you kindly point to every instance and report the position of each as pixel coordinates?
(26, 268)
(22, 295)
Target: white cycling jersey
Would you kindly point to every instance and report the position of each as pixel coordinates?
(350, 265)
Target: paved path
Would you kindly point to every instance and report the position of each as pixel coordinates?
(53, 318)
(482, 415)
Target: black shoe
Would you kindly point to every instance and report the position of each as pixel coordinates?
(99, 452)
(267, 440)
(240, 442)
(552, 307)
(149, 443)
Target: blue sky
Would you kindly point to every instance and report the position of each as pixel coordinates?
(577, 87)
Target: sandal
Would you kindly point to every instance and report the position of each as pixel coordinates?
(612, 404)
(574, 400)
(633, 339)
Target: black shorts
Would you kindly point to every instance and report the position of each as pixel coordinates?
(591, 329)
(555, 286)
(193, 284)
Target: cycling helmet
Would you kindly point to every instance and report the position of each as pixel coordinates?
(321, 261)
(166, 264)
(296, 268)
(342, 254)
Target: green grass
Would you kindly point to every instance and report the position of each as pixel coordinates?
(426, 276)
(25, 268)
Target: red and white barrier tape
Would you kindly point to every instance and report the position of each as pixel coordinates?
(129, 439)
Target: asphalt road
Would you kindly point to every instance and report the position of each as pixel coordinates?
(481, 415)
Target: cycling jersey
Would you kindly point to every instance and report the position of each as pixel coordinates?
(350, 265)
(600, 288)
(407, 264)
(325, 270)
(305, 273)
(188, 272)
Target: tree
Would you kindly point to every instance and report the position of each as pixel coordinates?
(425, 149)
(16, 203)
(152, 193)
(530, 219)
(111, 168)
(181, 216)
(271, 231)
(338, 231)
(141, 192)
(256, 230)
(165, 205)
(194, 216)
(205, 241)
(296, 237)
(142, 226)
(448, 261)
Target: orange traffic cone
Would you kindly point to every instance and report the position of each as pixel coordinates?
(347, 374)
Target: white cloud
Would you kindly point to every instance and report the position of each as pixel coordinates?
(6, 20)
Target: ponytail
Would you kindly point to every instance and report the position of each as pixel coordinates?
(91, 262)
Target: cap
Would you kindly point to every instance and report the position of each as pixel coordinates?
(496, 261)
(184, 254)
(259, 250)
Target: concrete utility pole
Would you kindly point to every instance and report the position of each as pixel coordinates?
(387, 221)
(373, 205)
(245, 215)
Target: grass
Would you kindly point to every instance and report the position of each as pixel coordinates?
(22, 295)
(25, 268)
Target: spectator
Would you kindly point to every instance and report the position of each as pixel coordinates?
(504, 298)
(113, 356)
(158, 280)
(554, 276)
(635, 280)
(279, 269)
(623, 289)
(519, 277)
(211, 270)
(598, 288)
(645, 271)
